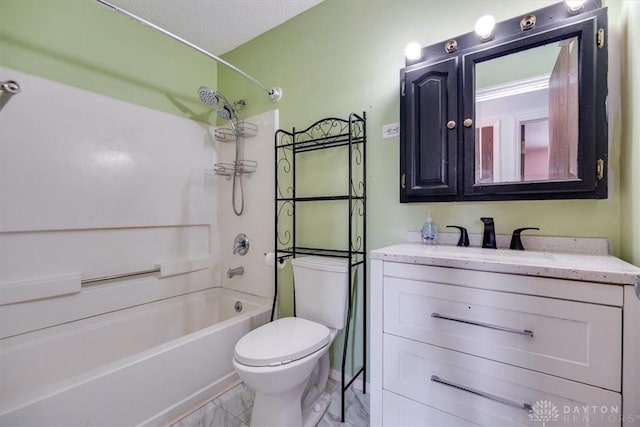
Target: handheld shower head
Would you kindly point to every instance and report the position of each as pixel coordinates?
(213, 99)
(225, 113)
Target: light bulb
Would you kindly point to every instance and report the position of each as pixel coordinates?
(484, 26)
(413, 51)
(575, 5)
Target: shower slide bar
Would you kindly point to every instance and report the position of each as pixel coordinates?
(8, 88)
(274, 93)
(29, 290)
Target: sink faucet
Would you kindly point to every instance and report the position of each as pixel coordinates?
(489, 235)
(238, 271)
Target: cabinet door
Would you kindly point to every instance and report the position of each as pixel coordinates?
(428, 147)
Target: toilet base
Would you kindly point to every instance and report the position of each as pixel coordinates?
(312, 415)
(288, 411)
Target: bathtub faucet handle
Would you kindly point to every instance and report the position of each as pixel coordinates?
(241, 244)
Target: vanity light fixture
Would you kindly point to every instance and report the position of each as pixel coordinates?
(575, 5)
(413, 51)
(484, 27)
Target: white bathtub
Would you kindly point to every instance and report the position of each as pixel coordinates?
(143, 365)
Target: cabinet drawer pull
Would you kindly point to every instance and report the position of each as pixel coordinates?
(490, 396)
(486, 325)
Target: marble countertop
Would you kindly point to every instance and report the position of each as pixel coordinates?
(592, 267)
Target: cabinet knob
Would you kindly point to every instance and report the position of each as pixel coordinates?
(451, 124)
(467, 123)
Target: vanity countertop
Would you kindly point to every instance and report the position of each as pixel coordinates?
(602, 268)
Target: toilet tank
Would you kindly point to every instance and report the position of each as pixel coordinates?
(322, 286)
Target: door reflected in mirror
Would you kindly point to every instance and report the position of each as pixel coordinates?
(526, 115)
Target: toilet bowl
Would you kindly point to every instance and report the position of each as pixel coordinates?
(287, 361)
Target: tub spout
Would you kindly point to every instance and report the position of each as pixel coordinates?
(238, 271)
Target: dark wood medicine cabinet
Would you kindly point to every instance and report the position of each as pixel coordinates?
(521, 116)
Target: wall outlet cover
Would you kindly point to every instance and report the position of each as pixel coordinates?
(391, 130)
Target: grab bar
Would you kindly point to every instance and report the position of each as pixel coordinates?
(165, 268)
(71, 283)
(526, 332)
(119, 276)
(8, 88)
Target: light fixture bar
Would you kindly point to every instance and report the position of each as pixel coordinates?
(275, 93)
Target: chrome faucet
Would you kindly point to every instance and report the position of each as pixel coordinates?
(238, 271)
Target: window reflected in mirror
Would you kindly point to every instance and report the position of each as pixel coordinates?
(526, 115)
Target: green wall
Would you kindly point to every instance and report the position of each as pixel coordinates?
(84, 44)
(345, 55)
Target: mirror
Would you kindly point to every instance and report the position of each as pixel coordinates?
(526, 124)
(520, 115)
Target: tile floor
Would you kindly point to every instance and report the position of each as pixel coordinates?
(233, 409)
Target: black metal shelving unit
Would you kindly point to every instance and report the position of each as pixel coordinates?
(327, 134)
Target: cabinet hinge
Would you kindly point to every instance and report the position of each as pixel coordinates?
(402, 89)
(600, 169)
(403, 181)
(600, 38)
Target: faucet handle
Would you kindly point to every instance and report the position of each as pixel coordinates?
(241, 244)
(516, 241)
(464, 236)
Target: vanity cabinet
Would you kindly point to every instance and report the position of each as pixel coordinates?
(462, 341)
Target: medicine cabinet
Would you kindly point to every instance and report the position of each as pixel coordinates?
(519, 116)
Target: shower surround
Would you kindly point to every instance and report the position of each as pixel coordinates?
(98, 187)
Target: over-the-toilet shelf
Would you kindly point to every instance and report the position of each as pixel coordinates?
(291, 204)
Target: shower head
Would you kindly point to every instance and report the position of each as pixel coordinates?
(225, 113)
(209, 96)
(214, 99)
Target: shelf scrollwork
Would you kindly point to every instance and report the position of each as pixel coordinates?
(283, 171)
(286, 210)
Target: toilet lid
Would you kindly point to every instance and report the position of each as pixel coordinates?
(281, 342)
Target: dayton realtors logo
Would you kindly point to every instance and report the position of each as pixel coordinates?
(545, 411)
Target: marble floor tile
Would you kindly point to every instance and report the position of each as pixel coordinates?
(245, 417)
(356, 408)
(233, 409)
(237, 400)
(210, 415)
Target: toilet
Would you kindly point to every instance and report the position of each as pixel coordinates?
(287, 361)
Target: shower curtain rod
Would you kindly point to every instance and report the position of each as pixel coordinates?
(275, 93)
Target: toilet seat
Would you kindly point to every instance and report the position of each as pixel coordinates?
(282, 341)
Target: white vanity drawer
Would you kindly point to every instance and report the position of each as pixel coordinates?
(574, 340)
(398, 411)
(489, 393)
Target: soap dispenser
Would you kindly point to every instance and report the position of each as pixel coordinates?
(429, 231)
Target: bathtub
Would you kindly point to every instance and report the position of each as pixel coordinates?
(139, 366)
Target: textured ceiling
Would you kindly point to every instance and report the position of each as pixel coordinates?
(217, 26)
